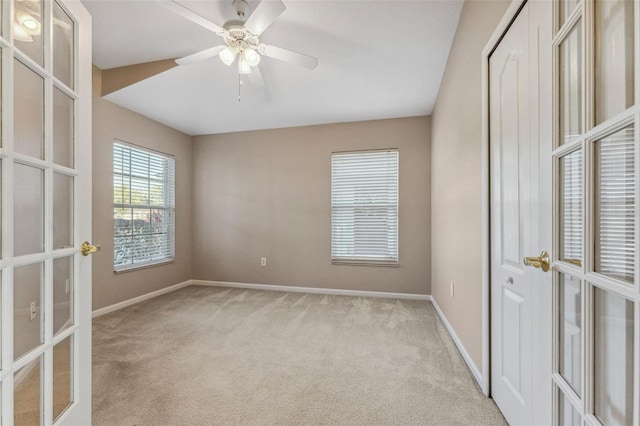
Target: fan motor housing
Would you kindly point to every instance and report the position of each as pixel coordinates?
(238, 36)
(242, 8)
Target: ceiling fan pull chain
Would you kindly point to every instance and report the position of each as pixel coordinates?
(239, 82)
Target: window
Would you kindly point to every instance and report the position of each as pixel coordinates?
(143, 207)
(364, 207)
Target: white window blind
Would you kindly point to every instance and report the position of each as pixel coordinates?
(615, 205)
(364, 207)
(144, 207)
(571, 205)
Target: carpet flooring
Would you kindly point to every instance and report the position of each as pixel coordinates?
(221, 356)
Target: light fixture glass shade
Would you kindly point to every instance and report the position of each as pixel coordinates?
(29, 24)
(20, 34)
(252, 57)
(243, 66)
(228, 55)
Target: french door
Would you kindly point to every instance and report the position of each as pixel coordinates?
(45, 210)
(596, 164)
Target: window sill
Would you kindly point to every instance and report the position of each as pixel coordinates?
(360, 262)
(144, 266)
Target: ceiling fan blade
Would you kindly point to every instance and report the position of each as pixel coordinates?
(200, 56)
(288, 56)
(255, 78)
(266, 12)
(192, 16)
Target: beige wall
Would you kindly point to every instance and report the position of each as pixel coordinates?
(267, 194)
(113, 122)
(456, 177)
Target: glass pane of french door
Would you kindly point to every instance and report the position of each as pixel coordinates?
(29, 28)
(571, 208)
(570, 330)
(613, 358)
(596, 283)
(62, 377)
(567, 415)
(614, 59)
(27, 397)
(62, 294)
(28, 107)
(28, 321)
(63, 44)
(63, 106)
(614, 221)
(39, 266)
(570, 83)
(28, 210)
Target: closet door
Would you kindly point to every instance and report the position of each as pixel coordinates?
(520, 175)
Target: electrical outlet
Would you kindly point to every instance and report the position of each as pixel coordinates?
(263, 261)
(451, 288)
(32, 311)
(66, 286)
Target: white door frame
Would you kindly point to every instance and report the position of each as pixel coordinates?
(84, 289)
(501, 29)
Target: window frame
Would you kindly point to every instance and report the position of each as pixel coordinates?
(367, 260)
(169, 207)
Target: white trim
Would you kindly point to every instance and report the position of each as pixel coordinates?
(463, 351)
(313, 290)
(485, 384)
(508, 17)
(133, 301)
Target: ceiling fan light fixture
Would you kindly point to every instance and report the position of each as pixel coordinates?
(251, 56)
(29, 24)
(228, 55)
(20, 34)
(241, 38)
(243, 66)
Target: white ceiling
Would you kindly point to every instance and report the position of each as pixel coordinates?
(377, 59)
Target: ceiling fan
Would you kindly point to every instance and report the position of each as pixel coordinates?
(242, 38)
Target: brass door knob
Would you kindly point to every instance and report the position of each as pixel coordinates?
(538, 262)
(577, 262)
(86, 249)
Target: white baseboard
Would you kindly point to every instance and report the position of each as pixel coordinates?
(463, 351)
(313, 290)
(133, 301)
